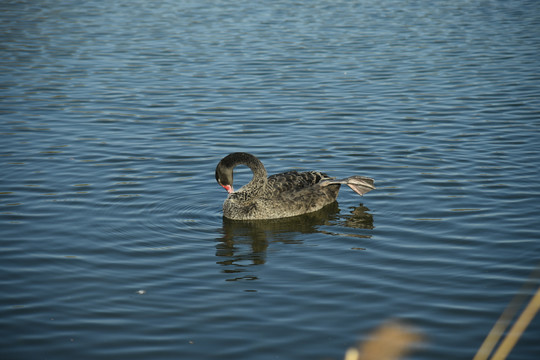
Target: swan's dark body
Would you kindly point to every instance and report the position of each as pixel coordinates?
(282, 195)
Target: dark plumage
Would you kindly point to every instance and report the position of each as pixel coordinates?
(281, 195)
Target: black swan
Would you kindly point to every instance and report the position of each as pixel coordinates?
(281, 195)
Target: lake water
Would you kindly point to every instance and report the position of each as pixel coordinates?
(114, 114)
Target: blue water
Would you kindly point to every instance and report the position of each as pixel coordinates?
(114, 114)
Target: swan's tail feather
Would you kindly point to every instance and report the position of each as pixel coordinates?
(359, 184)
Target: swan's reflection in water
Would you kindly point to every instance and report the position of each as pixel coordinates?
(245, 243)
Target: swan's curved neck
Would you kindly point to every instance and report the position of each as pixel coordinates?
(256, 186)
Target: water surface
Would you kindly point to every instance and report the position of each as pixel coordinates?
(113, 116)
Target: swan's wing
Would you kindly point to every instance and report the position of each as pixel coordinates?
(294, 181)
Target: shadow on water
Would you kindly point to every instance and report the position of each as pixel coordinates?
(245, 243)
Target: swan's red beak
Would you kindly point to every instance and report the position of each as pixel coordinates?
(229, 188)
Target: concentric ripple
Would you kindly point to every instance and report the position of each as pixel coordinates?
(165, 222)
(188, 216)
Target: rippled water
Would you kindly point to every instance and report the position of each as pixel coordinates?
(114, 115)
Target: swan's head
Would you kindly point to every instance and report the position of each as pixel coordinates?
(224, 176)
